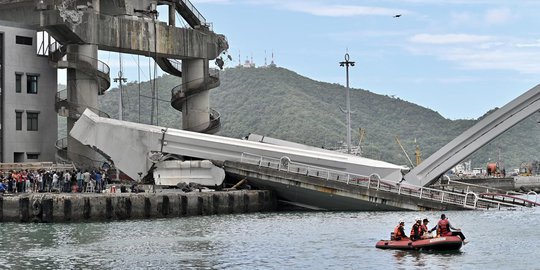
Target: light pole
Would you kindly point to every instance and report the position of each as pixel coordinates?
(120, 80)
(346, 64)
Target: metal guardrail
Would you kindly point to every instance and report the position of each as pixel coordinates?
(195, 11)
(213, 77)
(211, 126)
(495, 194)
(467, 186)
(61, 144)
(469, 200)
(177, 64)
(72, 109)
(179, 92)
(87, 60)
(80, 161)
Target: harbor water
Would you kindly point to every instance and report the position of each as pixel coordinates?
(282, 240)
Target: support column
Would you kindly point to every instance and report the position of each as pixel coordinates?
(172, 15)
(83, 88)
(195, 110)
(82, 92)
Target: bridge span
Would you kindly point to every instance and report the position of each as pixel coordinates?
(313, 179)
(475, 137)
(130, 144)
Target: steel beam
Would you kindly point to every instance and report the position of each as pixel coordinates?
(475, 137)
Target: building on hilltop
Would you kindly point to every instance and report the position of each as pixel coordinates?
(28, 86)
(249, 63)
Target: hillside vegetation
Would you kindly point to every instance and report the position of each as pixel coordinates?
(279, 103)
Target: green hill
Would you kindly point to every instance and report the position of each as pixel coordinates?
(279, 103)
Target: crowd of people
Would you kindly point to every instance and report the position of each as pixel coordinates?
(420, 230)
(23, 181)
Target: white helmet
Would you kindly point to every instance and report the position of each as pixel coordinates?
(417, 219)
(401, 221)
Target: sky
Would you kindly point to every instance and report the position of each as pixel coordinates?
(460, 58)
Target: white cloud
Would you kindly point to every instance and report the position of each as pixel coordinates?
(195, 2)
(449, 38)
(495, 54)
(521, 61)
(323, 8)
(497, 16)
(319, 9)
(529, 45)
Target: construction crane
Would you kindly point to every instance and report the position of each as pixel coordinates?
(417, 153)
(405, 152)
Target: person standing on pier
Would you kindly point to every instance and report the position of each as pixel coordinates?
(80, 180)
(87, 177)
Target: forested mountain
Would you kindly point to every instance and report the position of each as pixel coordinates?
(279, 103)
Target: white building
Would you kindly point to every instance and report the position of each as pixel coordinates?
(28, 87)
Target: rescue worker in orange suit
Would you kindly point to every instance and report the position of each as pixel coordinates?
(399, 231)
(416, 232)
(424, 229)
(444, 227)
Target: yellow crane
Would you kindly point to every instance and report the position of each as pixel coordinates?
(417, 153)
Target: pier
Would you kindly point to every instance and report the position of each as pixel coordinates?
(84, 207)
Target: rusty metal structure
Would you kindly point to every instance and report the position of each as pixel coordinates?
(79, 28)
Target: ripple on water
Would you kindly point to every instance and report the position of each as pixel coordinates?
(290, 240)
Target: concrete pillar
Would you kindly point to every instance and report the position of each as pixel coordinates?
(195, 110)
(172, 15)
(82, 89)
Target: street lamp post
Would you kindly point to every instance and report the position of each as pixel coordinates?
(120, 80)
(346, 64)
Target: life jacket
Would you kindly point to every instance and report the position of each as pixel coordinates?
(423, 229)
(442, 228)
(415, 231)
(397, 233)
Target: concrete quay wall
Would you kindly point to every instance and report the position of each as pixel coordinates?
(52, 208)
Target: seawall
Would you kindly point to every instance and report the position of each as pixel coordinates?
(81, 207)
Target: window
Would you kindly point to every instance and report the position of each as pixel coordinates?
(18, 120)
(32, 121)
(32, 155)
(23, 40)
(18, 83)
(31, 84)
(18, 157)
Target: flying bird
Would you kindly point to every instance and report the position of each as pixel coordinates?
(397, 15)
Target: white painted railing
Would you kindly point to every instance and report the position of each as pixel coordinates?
(469, 200)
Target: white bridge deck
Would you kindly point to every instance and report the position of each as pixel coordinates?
(129, 145)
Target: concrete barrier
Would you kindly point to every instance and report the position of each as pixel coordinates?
(79, 207)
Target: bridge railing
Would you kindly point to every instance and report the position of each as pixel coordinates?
(469, 200)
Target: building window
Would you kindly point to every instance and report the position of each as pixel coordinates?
(18, 83)
(23, 40)
(32, 156)
(32, 121)
(18, 120)
(31, 84)
(18, 157)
